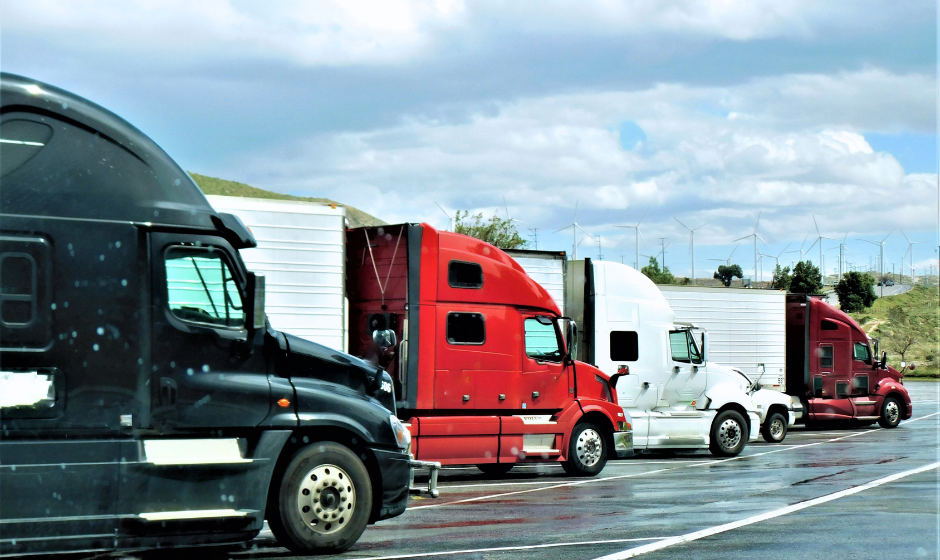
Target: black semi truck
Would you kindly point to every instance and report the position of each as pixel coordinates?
(145, 401)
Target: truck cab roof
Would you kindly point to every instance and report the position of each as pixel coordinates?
(49, 135)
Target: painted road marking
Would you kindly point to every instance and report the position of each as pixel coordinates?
(511, 548)
(656, 471)
(689, 537)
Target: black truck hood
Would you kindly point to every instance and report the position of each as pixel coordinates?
(306, 359)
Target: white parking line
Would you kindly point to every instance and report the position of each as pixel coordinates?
(634, 475)
(510, 548)
(689, 537)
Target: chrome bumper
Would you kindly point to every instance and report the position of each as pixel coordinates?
(623, 444)
(434, 468)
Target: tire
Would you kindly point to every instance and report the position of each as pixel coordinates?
(323, 500)
(587, 450)
(496, 469)
(890, 415)
(729, 434)
(774, 428)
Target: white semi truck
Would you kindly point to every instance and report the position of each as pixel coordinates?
(678, 398)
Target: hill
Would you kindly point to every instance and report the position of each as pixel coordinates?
(919, 309)
(213, 185)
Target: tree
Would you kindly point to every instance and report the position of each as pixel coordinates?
(901, 331)
(657, 275)
(728, 273)
(806, 279)
(782, 278)
(856, 291)
(497, 231)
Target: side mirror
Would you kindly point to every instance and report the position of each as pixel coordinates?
(571, 339)
(385, 338)
(884, 360)
(256, 316)
(704, 346)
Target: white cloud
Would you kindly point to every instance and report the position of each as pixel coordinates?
(543, 154)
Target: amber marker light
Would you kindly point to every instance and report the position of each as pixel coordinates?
(283, 403)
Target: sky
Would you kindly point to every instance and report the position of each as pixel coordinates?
(711, 113)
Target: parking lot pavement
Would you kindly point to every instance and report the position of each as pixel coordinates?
(823, 493)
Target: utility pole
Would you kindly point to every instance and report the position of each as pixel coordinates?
(535, 237)
(600, 255)
(662, 242)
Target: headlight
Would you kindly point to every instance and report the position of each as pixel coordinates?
(402, 435)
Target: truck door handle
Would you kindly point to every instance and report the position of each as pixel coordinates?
(466, 398)
(502, 397)
(168, 390)
(535, 394)
(646, 385)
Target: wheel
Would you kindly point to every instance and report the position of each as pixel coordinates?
(323, 500)
(729, 434)
(495, 469)
(890, 413)
(775, 428)
(587, 451)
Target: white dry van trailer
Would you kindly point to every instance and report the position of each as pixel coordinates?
(746, 328)
(301, 251)
(548, 268)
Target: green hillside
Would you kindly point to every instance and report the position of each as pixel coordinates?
(213, 185)
(915, 312)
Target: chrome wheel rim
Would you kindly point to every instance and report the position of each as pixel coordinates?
(892, 412)
(776, 428)
(589, 447)
(729, 434)
(326, 499)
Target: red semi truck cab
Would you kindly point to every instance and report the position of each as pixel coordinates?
(478, 356)
(833, 369)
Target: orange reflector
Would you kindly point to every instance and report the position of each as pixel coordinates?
(283, 403)
(692, 403)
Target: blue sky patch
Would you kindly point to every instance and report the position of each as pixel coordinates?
(917, 153)
(630, 135)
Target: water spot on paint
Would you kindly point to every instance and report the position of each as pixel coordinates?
(100, 331)
(205, 368)
(189, 371)
(95, 347)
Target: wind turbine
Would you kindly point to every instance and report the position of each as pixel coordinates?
(728, 260)
(910, 248)
(446, 214)
(881, 257)
(691, 242)
(756, 236)
(819, 238)
(636, 238)
(574, 232)
(510, 218)
(800, 250)
(776, 257)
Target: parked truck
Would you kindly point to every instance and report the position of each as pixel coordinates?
(621, 312)
(477, 351)
(144, 399)
(802, 346)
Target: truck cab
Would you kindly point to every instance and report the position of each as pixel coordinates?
(480, 356)
(145, 399)
(663, 378)
(833, 367)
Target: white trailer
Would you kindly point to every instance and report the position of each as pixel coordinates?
(746, 328)
(301, 251)
(548, 268)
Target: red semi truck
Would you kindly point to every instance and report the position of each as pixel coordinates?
(832, 367)
(479, 354)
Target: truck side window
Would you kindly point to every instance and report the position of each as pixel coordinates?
(862, 353)
(679, 343)
(541, 341)
(828, 326)
(624, 346)
(201, 287)
(825, 356)
(462, 274)
(20, 140)
(466, 328)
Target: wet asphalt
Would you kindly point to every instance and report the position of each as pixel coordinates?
(538, 512)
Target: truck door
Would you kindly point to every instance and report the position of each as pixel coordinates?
(206, 372)
(545, 378)
(861, 380)
(835, 370)
(674, 422)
